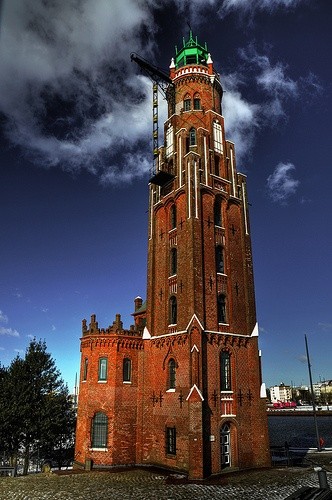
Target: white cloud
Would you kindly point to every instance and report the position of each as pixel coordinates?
(242, 121)
(67, 85)
(72, 98)
(272, 79)
(325, 326)
(274, 89)
(9, 332)
(243, 118)
(245, 6)
(280, 184)
(196, 9)
(302, 358)
(3, 317)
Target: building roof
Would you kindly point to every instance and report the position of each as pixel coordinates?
(141, 309)
(191, 53)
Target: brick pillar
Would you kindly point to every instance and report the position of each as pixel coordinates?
(195, 400)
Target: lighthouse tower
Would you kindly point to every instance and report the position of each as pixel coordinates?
(202, 410)
(181, 388)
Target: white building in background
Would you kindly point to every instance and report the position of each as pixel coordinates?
(281, 393)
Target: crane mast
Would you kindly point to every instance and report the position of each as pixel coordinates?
(164, 83)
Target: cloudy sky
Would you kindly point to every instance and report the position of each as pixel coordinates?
(75, 137)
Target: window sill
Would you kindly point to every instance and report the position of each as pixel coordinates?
(102, 381)
(223, 324)
(98, 449)
(170, 390)
(128, 382)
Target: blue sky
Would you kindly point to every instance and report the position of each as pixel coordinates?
(75, 117)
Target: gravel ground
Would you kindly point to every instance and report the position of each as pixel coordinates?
(138, 484)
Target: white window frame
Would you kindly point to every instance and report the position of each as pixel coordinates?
(217, 137)
(169, 141)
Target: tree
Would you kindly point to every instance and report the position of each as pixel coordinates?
(9, 409)
(37, 411)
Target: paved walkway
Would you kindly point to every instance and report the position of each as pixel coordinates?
(272, 484)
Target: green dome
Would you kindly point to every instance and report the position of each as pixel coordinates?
(191, 53)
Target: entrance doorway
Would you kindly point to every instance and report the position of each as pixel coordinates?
(225, 446)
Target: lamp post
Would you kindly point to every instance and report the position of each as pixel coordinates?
(312, 393)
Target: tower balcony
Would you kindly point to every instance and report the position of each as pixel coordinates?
(163, 173)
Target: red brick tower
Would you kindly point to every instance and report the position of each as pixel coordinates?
(181, 388)
(202, 408)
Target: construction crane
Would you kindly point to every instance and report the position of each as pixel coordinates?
(165, 84)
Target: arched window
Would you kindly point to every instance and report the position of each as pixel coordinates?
(99, 431)
(220, 259)
(221, 308)
(173, 216)
(192, 137)
(217, 211)
(126, 370)
(187, 103)
(173, 261)
(225, 371)
(171, 374)
(197, 102)
(173, 310)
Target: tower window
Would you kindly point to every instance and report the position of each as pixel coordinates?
(173, 216)
(187, 104)
(173, 310)
(171, 440)
(174, 261)
(99, 431)
(217, 137)
(197, 103)
(221, 303)
(218, 211)
(169, 141)
(217, 165)
(192, 137)
(225, 371)
(171, 374)
(220, 259)
(85, 368)
(191, 59)
(102, 369)
(126, 370)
